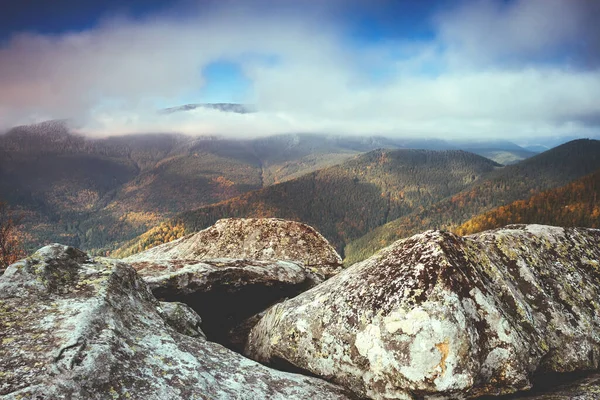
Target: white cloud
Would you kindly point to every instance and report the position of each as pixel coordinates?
(491, 70)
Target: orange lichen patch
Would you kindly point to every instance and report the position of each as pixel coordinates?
(443, 348)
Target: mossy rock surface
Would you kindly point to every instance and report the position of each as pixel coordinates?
(447, 317)
(256, 239)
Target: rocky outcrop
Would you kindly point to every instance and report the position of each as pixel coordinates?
(76, 328)
(224, 292)
(252, 238)
(237, 268)
(182, 318)
(442, 316)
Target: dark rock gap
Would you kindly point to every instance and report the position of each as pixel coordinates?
(226, 310)
(546, 383)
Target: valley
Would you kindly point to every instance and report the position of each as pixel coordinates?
(99, 193)
(346, 201)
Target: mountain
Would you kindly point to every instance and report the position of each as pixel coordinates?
(553, 168)
(99, 193)
(575, 204)
(501, 151)
(537, 148)
(345, 201)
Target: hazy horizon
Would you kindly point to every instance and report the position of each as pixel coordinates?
(489, 69)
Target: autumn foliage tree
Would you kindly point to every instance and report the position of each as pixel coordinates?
(11, 244)
(575, 204)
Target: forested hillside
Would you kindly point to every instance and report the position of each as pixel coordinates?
(575, 204)
(345, 201)
(554, 168)
(98, 193)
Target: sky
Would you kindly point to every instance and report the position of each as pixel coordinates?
(477, 69)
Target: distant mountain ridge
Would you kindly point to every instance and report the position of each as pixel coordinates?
(345, 201)
(97, 193)
(554, 168)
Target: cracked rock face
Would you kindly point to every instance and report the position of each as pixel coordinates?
(74, 327)
(439, 316)
(256, 239)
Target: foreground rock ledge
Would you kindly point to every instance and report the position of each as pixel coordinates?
(442, 316)
(252, 238)
(75, 328)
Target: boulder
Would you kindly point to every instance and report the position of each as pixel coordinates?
(253, 238)
(443, 316)
(236, 269)
(225, 292)
(77, 328)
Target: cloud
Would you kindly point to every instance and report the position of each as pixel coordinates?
(495, 69)
(520, 32)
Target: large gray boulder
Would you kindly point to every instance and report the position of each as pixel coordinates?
(446, 317)
(77, 328)
(252, 238)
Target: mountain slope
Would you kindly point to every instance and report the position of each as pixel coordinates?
(551, 169)
(345, 201)
(575, 204)
(98, 193)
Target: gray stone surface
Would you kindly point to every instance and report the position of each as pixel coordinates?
(439, 316)
(182, 318)
(252, 238)
(76, 328)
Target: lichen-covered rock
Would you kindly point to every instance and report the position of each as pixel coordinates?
(439, 316)
(225, 292)
(76, 328)
(182, 318)
(253, 238)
